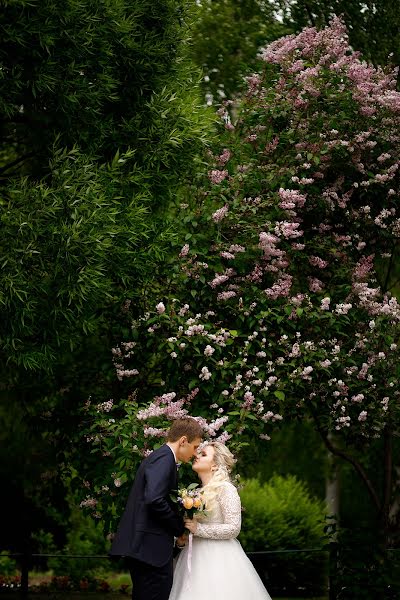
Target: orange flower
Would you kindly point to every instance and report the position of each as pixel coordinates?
(188, 502)
(197, 503)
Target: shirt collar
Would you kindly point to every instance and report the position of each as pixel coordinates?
(173, 454)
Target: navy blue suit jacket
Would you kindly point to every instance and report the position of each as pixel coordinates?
(151, 520)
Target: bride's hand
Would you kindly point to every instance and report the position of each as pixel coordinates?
(191, 525)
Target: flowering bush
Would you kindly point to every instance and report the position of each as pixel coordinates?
(282, 308)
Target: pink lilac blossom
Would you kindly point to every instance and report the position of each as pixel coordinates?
(212, 428)
(105, 406)
(358, 398)
(342, 309)
(281, 288)
(89, 502)
(306, 372)
(223, 438)
(363, 268)
(291, 199)
(314, 284)
(316, 261)
(218, 280)
(226, 295)
(154, 432)
(325, 363)
(288, 229)
(235, 248)
(205, 374)
(223, 158)
(253, 83)
(217, 176)
(126, 373)
(325, 303)
(267, 243)
(184, 251)
(248, 400)
(160, 308)
(194, 330)
(220, 214)
(182, 311)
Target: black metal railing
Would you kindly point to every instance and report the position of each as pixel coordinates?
(25, 560)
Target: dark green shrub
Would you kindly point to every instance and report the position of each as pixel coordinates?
(85, 538)
(8, 565)
(281, 515)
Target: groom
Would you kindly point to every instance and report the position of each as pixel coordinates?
(147, 528)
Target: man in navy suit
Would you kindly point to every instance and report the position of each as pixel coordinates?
(150, 522)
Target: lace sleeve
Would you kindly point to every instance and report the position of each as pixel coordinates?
(231, 517)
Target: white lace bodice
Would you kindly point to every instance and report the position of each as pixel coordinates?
(225, 520)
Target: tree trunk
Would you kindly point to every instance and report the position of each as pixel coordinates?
(332, 487)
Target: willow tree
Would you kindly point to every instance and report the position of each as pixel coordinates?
(101, 119)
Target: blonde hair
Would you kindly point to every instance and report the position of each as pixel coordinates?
(224, 463)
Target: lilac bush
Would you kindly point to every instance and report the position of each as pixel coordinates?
(282, 305)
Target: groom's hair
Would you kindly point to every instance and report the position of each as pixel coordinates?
(186, 426)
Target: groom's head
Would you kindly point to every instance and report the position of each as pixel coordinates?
(184, 437)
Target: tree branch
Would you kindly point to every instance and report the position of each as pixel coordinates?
(16, 162)
(388, 466)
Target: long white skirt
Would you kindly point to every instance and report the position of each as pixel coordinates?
(220, 570)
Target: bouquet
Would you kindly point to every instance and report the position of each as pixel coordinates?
(191, 500)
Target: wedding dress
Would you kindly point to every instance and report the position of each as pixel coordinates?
(218, 568)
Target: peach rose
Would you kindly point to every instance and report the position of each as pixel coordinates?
(188, 502)
(197, 503)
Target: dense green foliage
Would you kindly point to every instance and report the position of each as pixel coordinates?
(102, 75)
(109, 80)
(226, 38)
(281, 515)
(101, 121)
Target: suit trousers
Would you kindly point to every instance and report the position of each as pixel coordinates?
(149, 582)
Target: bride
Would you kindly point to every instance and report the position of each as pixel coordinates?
(218, 568)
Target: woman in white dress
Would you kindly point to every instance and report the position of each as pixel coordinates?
(218, 568)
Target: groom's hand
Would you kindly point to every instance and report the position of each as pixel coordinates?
(181, 541)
